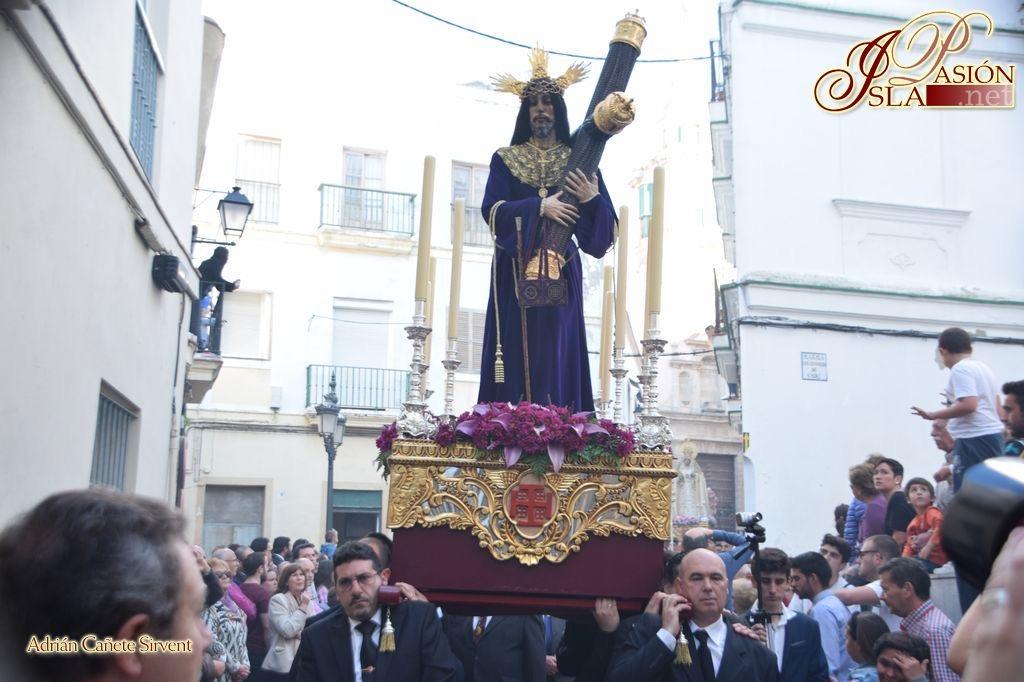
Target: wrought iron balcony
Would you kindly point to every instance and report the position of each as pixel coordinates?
(266, 199)
(359, 388)
(477, 233)
(367, 209)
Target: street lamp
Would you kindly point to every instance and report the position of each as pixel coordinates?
(331, 423)
(234, 212)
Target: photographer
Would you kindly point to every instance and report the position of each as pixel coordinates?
(986, 644)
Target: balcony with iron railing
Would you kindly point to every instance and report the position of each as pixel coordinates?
(477, 233)
(359, 388)
(373, 210)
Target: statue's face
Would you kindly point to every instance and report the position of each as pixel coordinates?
(542, 115)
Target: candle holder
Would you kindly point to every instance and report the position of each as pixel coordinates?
(618, 371)
(415, 421)
(451, 364)
(652, 431)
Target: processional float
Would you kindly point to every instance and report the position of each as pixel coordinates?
(520, 509)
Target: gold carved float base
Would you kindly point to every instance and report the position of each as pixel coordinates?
(516, 514)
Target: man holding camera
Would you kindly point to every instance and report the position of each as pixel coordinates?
(695, 609)
(795, 638)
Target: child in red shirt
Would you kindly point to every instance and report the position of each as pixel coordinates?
(924, 541)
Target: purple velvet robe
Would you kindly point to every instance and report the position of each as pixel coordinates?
(559, 369)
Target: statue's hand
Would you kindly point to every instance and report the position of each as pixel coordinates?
(554, 209)
(580, 187)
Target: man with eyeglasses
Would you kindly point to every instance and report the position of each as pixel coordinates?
(344, 646)
(875, 551)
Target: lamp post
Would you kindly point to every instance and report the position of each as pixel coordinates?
(332, 429)
(234, 210)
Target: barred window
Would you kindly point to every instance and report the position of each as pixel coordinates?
(112, 444)
(471, 339)
(258, 174)
(145, 72)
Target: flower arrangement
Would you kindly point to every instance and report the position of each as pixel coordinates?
(537, 435)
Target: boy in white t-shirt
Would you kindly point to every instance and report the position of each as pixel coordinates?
(975, 420)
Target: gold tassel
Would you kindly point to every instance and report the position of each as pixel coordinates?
(499, 366)
(387, 634)
(683, 651)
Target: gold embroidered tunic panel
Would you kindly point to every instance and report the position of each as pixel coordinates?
(536, 167)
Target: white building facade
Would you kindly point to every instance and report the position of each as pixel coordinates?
(99, 129)
(855, 238)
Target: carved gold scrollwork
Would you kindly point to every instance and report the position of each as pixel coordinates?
(459, 488)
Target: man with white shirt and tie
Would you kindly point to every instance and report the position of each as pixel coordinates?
(345, 646)
(695, 609)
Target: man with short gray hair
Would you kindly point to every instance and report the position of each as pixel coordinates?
(104, 563)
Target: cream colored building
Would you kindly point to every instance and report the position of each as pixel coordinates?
(99, 131)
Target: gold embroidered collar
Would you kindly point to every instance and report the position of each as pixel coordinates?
(536, 167)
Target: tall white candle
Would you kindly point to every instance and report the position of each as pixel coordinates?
(458, 236)
(426, 211)
(621, 323)
(655, 242)
(606, 333)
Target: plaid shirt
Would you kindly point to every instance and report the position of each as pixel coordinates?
(932, 625)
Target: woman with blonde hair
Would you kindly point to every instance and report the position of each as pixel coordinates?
(288, 611)
(226, 622)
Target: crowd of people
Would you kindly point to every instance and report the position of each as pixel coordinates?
(114, 567)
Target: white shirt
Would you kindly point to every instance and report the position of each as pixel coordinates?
(476, 621)
(778, 630)
(890, 618)
(357, 642)
(717, 632)
(972, 379)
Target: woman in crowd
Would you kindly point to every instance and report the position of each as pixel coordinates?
(324, 581)
(289, 609)
(227, 623)
(862, 631)
(269, 582)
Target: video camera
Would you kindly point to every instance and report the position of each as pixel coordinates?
(989, 505)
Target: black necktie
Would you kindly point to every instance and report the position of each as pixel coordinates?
(707, 666)
(367, 651)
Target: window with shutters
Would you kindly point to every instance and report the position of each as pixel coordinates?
(363, 201)
(245, 331)
(258, 174)
(468, 182)
(232, 514)
(471, 339)
(146, 71)
(115, 442)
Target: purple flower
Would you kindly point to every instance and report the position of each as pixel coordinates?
(387, 437)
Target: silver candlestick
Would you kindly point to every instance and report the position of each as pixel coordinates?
(415, 421)
(618, 371)
(652, 431)
(451, 364)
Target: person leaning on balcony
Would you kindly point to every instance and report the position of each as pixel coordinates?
(211, 274)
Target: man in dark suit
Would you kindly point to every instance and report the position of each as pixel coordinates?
(498, 648)
(795, 638)
(695, 609)
(344, 647)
